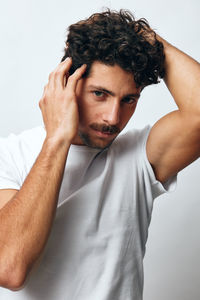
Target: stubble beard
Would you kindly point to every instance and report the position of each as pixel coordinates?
(99, 143)
(88, 141)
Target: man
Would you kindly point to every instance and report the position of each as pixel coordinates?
(76, 200)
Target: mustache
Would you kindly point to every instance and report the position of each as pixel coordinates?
(104, 128)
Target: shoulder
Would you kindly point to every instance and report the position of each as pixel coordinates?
(29, 135)
(133, 138)
(33, 135)
(25, 144)
(17, 154)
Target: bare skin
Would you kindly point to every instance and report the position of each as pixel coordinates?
(174, 141)
(92, 111)
(23, 239)
(106, 103)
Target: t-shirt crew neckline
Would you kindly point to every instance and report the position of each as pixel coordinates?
(84, 148)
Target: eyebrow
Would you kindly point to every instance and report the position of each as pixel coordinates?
(100, 88)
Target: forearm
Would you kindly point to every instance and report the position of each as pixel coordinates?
(182, 78)
(26, 220)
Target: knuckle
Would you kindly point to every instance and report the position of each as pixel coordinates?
(44, 99)
(40, 103)
(77, 73)
(57, 72)
(74, 76)
(70, 78)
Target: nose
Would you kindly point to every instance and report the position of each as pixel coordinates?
(111, 113)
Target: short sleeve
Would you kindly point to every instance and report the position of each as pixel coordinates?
(155, 187)
(17, 155)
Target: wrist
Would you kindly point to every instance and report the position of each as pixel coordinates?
(55, 143)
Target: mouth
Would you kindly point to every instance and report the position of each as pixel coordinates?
(103, 134)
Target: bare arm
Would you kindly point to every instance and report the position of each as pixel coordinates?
(26, 220)
(174, 141)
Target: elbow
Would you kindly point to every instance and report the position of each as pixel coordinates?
(13, 280)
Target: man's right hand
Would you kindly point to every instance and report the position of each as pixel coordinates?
(26, 215)
(58, 103)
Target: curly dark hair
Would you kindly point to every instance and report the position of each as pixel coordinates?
(117, 38)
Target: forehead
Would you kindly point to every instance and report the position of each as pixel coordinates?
(111, 78)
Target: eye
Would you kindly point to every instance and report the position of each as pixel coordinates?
(129, 100)
(98, 94)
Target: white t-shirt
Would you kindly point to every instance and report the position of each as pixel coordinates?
(97, 243)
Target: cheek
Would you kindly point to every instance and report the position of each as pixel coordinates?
(127, 113)
(88, 111)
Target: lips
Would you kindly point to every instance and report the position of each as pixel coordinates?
(105, 130)
(103, 134)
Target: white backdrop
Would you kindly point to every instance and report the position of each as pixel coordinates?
(32, 36)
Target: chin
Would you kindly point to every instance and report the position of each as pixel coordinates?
(96, 143)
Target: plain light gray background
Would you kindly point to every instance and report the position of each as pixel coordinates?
(32, 36)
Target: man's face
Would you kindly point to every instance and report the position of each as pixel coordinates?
(107, 99)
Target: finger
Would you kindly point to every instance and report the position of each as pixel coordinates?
(62, 72)
(74, 78)
(65, 79)
(58, 77)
